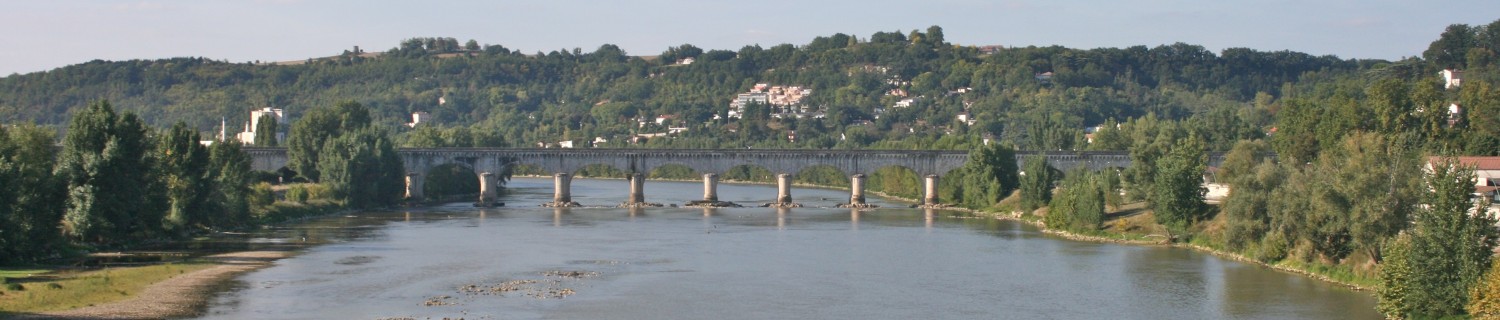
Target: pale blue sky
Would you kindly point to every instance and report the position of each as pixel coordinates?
(41, 35)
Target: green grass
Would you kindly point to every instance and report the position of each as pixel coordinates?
(63, 290)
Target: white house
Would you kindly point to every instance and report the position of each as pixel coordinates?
(418, 118)
(1451, 78)
(565, 144)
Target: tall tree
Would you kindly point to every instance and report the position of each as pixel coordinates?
(1177, 192)
(1451, 244)
(1451, 47)
(229, 166)
(109, 171)
(989, 176)
(309, 134)
(184, 173)
(30, 198)
(265, 131)
(1036, 183)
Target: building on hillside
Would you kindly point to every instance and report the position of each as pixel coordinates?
(780, 99)
(565, 144)
(247, 136)
(1044, 77)
(1451, 78)
(1486, 174)
(418, 118)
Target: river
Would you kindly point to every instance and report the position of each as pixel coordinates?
(527, 262)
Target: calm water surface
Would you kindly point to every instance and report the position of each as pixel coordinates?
(528, 262)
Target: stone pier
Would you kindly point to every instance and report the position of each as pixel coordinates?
(783, 192)
(710, 187)
(930, 193)
(562, 191)
(488, 189)
(637, 198)
(857, 193)
(637, 188)
(414, 187)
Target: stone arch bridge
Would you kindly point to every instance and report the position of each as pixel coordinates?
(488, 162)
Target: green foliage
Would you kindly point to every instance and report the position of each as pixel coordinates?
(989, 176)
(229, 168)
(1176, 194)
(1449, 249)
(261, 196)
(1036, 182)
(1079, 203)
(30, 197)
(265, 129)
(184, 173)
(362, 169)
(1484, 297)
(308, 136)
(449, 180)
(109, 171)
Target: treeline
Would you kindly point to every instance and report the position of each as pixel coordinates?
(507, 98)
(115, 182)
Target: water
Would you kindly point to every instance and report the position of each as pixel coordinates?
(746, 263)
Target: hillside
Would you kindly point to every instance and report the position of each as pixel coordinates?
(888, 90)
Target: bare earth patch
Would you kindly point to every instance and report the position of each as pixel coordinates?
(180, 296)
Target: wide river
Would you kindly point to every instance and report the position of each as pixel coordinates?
(523, 261)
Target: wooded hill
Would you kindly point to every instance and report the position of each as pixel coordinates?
(513, 97)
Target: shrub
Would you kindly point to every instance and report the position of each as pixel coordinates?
(15, 287)
(297, 194)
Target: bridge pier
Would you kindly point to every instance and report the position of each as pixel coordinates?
(414, 186)
(857, 190)
(562, 185)
(930, 197)
(710, 187)
(637, 189)
(783, 190)
(487, 189)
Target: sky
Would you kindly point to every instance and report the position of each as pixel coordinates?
(43, 35)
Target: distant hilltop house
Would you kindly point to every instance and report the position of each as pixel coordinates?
(1451, 78)
(783, 99)
(248, 136)
(1045, 76)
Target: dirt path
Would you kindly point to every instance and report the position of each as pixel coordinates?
(180, 296)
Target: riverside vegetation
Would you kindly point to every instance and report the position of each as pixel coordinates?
(1346, 195)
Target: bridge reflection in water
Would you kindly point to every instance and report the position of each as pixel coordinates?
(488, 162)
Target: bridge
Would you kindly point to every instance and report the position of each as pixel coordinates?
(488, 162)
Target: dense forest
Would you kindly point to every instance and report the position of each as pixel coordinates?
(1338, 167)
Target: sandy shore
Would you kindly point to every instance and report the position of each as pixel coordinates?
(180, 296)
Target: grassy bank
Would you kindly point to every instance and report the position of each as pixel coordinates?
(40, 290)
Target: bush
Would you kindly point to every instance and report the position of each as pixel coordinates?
(15, 287)
(54, 286)
(297, 194)
(261, 195)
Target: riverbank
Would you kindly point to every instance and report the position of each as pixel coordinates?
(183, 293)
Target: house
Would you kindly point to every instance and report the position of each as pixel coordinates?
(1045, 76)
(1486, 173)
(905, 102)
(661, 120)
(686, 61)
(418, 118)
(676, 130)
(1451, 78)
(597, 141)
(1454, 113)
(248, 135)
(966, 118)
(565, 144)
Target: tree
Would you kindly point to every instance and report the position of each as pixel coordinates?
(362, 169)
(265, 131)
(1176, 195)
(1449, 49)
(989, 176)
(308, 135)
(1036, 183)
(229, 167)
(109, 172)
(184, 173)
(30, 197)
(1484, 298)
(1079, 204)
(1451, 243)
